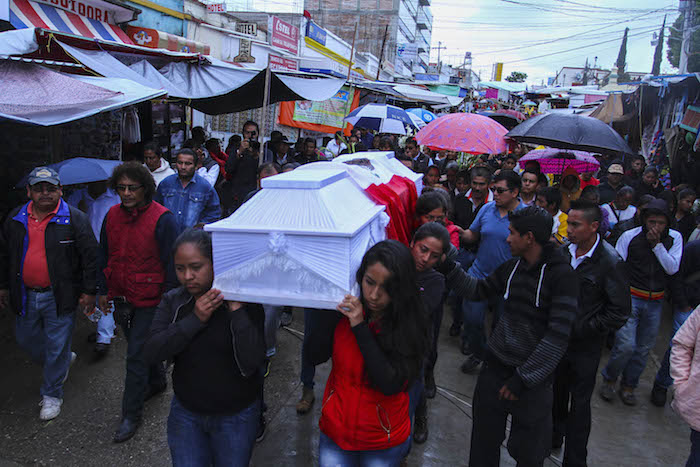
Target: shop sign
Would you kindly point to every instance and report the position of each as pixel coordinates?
(86, 9)
(283, 35)
(316, 32)
(283, 64)
(216, 8)
(250, 29)
(407, 51)
(244, 52)
(426, 77)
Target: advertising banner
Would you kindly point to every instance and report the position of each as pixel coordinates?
(324, 116)
(283, 35)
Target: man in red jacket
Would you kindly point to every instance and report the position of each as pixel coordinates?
(136, 269)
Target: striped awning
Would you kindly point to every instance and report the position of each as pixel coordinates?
(30, 14)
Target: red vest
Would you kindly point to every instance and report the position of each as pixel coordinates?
(354, 415)
(134, 269)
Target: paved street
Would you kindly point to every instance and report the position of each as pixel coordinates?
(81, 435)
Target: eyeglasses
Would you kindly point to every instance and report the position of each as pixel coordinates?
(46, 188)
(430, 218)
(131, 188)
(499, 190)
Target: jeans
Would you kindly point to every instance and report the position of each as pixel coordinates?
(694, 458)
(663, 376)
(105, 328)
(574, 382)
(474, 323)
(204, 440)
(272, 323)
(139, 375)
(331, 455)
(633, 342)
(46, 336)
(531, 421)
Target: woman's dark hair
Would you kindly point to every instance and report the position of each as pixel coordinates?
(551, 195)
(403, 334)
(433, 167)
(428, 202)
(533, 219)
(138, 173)
(385, 141)
(433, 230)
(197, 237)
(152, 146)
(590, 190)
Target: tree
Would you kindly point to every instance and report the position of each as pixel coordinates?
(675, 38)
(622, 76)
(516, 77)
(658, 53)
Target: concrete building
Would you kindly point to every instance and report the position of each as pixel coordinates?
(573, 76)
(408, 25)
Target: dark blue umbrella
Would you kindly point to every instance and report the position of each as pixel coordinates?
(382, 118)
(568, 131)
(81, 170)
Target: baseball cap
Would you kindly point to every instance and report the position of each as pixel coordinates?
(43, 174)
(616, 169)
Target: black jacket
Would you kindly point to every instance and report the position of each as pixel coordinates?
(71, 254)
(685, 285)
(243, 173)
(604, 301)
(175, 324)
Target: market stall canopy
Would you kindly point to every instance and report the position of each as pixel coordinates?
(424, 95)
(37, 95)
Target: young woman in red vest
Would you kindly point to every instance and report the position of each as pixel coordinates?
(377, 351)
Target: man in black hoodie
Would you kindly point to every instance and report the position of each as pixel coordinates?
(603, 306)
(540, 290)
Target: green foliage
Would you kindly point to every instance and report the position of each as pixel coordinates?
(516, 77)
(675, 38)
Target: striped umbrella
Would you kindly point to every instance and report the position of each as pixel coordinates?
(382, 118)
(426, 115)
(556, 161)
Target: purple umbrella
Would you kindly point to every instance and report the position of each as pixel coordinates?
(555, 161)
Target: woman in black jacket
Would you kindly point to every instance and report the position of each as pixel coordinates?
(217, 348)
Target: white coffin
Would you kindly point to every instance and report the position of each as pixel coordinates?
(299, 241)
(388, 160)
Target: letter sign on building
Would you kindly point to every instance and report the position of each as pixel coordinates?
(283, 35)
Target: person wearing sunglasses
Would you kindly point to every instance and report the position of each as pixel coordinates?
(490, 230)
(135, 270)
(48, 266)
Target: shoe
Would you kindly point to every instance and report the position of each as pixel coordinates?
(126, 431)
(627, 396)
(101, 349)
(658, 396)
(430, 388)
(73, 356)
(50, 408)
(262, 426)
(607, 391)
(455, 329)
(464, 348)
(306, 401)
(470, 364)
(286, 318)
(420, 429)
(268, 363)
(152, 391)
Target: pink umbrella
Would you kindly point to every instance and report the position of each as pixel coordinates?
(555, 161)
(470, 133)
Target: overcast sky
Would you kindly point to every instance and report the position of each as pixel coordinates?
(515, 32)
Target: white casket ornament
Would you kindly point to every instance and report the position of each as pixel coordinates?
(299, 241)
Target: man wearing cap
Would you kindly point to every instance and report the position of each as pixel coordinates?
(48, 269)
(652, 253)
(608, 189)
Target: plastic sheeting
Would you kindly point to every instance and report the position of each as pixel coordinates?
(299, 241)
(37, 95)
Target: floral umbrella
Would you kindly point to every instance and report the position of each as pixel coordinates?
(556, 161)
(470, 133)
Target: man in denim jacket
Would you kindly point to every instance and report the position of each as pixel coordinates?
(188, 196)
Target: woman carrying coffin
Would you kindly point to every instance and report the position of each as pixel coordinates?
(218, 349)
(377, 350)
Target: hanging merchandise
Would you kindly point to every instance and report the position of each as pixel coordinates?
(131, 126)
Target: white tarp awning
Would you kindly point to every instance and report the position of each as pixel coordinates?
(414, 92)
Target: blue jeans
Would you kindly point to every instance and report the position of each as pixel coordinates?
(46, 337)
(663, 376)
(272, 323)
(474, 324)
(331, 455)
(203, 440)
(105, 328)
(694, 458)
(633, 342)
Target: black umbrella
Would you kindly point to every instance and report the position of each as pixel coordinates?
(568, 131)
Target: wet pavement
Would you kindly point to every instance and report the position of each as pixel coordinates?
(82, 435)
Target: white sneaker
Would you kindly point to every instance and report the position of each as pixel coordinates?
(50, 408)
(73, 356)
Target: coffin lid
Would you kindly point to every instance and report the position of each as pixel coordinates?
(314, 202)
(389, 161)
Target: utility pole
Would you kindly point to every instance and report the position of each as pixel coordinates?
(439, 64)
(381, 55)
(686, 7)
(352, 52)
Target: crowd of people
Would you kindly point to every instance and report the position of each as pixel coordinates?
(540, 272)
